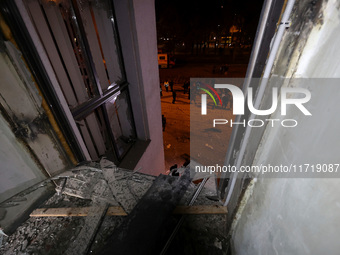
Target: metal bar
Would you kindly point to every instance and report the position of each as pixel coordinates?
(258, 42)
(87, 108)
(63, 43)
(85, 45)
(117, 39)
(265, 32)
(87, 138)
(110, 134)
(50, 42)
(181, 220)
(95, 131)
(108, 43)
(260, 93)
(94, 46)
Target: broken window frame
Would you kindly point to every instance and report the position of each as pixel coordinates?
(98, 103)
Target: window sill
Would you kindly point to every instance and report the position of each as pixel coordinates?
(135, 153)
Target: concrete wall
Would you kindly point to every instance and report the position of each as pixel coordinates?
(300, 215)
(137, 29)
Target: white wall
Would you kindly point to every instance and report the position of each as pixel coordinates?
(300, 215)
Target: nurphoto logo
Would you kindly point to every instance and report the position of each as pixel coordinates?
(238, 102)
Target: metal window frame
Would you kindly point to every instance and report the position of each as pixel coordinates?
(269, 19)
(88, 107)
(99, 101)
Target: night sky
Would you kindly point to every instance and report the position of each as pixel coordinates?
(190, 21)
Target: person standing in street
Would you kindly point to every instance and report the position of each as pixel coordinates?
(173, 96)
(171, 83)
(166, 85)
(163, 122)
(224, 101)
(186, 86)
(193, 95)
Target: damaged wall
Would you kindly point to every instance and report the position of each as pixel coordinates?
(18, 170)
(300, 215)
(30, 149)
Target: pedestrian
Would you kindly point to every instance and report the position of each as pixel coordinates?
(230, 100)
(173, 96)
(171, 83)
(224, 101)
(186, 86)
(193, 96)
(198, 85)
(227, 99)
(166, 85)
(225, 69)
(163, 122)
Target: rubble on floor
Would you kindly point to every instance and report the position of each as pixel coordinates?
(101, 185)
(143, 229)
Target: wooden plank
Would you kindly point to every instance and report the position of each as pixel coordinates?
(201, 209)
(116, 211)
(75, 212)
(119, 211)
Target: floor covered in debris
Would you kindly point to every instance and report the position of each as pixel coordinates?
(93, 202)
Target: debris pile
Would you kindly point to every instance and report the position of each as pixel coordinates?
(100, 186)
